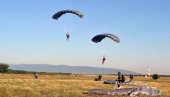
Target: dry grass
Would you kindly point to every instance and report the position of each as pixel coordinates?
(22, 85)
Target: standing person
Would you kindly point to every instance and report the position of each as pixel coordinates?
(103, 60)
(100, 77)
(130, 77)
(67, 36)
(120, 79)
(36, 75)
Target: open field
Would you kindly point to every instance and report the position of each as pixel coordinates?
(24, 85)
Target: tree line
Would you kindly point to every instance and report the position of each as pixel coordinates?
(4, 69)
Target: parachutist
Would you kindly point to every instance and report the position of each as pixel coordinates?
(67, 36)
(103, 60)
(120, 80)
(57, 15)
(98, 38)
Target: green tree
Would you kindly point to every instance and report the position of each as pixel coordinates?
(4, 67)
(155, 76)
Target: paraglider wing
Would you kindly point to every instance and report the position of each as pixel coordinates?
(100, 37)
(60, 13)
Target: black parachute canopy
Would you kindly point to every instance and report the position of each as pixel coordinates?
(100, 37)
(60, 13)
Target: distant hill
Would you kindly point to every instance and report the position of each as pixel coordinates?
(68, 69)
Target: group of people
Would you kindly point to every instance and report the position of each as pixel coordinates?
(121, 79)
(118, 82)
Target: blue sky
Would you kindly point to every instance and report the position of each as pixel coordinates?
(30, 35)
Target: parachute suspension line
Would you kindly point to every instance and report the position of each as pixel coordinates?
(103, 50)
(103, 53)
(70, 28)
(66, 30)
(98, 38)
(63, 27)
(57, 15)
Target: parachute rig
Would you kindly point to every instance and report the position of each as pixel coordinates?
(98, 38)
(57, 15)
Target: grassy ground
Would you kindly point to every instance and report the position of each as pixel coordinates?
(24, 85)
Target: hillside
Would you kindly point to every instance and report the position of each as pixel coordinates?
(67, 69)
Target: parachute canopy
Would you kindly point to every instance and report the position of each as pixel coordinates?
(60, 13)
(100, 37)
